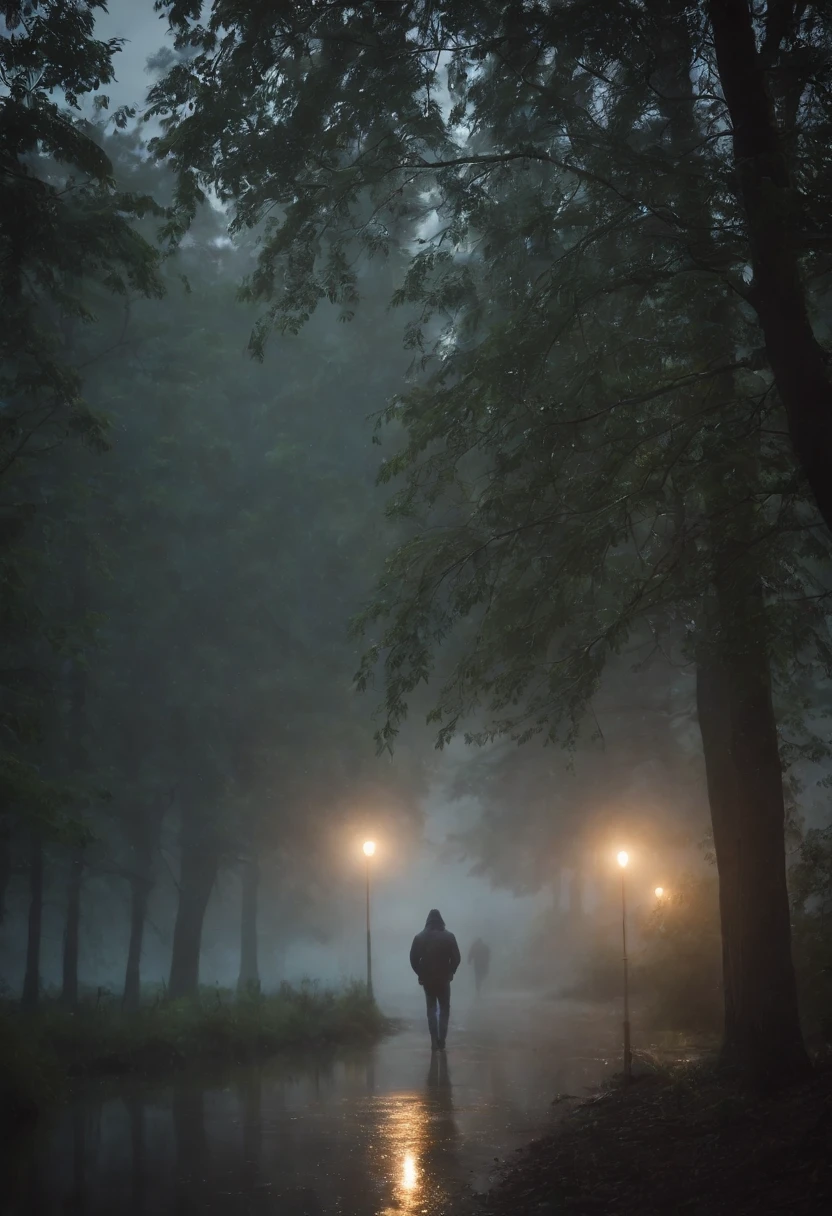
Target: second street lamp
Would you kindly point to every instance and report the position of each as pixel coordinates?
(623, 860)
(369, 850)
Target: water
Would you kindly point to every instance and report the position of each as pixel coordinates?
(387, 1131)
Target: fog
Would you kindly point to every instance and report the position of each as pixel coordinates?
(399, 443)
(204, 707)
(406, 884)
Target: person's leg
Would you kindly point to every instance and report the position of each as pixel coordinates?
(430, 1002)
(443, 995)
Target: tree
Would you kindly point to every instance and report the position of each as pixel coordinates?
(636, 778)
(794, 58)
(594, 446)
(218, 677)
(67, 246)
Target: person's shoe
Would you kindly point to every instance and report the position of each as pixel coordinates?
(435, 1045)
(441, 1044)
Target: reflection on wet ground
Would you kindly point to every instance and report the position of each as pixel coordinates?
(390, 1131)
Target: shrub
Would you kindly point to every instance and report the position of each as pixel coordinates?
(680, 969)
(675, 970)
(100, 1037)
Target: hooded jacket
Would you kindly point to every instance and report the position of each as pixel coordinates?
(434, 955)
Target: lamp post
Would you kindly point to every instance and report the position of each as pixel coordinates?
(623, 860)
(369, 850)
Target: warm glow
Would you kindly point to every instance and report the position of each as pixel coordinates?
(659, 892)
(410, 1175)
(623, 858)
(369, 848)
(406, 1135)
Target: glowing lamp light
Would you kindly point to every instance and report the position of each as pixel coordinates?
(623, 858)
(659, 892)
(369, 848)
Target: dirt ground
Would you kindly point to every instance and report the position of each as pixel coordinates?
(679, 1140)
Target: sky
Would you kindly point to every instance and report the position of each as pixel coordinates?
(145, 33)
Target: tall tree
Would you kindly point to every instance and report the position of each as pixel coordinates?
(595, 444)
(31, 979)
(224, 711)
(754, 52)
(249, 977)
(67, 246)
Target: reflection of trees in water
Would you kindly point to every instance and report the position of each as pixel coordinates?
(77, 1196)
(134, 1102)
(20, 1172)
(324, 1074)
(357, 1070)
(188, 1111)
(276, 1150)
(250, 1095)
(85, 1131)
(36, 1182)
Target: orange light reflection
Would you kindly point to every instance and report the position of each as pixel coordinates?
(404, 1138)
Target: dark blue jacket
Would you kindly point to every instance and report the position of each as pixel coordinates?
(434, 955)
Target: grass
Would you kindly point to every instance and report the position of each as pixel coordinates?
(38, 1053)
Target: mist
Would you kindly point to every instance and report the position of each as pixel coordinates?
(414, 499)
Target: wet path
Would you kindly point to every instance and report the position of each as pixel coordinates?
(371, 1133)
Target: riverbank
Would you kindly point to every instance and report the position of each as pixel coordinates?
(40, 1053)
(679, 1140)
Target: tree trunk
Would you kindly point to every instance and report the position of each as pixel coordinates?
(139, 898)
(144, 828)
(713, 711)
(278, 954)
(249, 978)
(31, 981)
(762, 1028)
(762, 1033)
(5, 866)
(72, 929)
(197, 872)
(778, 294)
(77, 761)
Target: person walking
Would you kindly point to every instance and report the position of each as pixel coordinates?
(434, 956)
(480, 956)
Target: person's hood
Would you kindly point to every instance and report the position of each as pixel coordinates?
(434, 920)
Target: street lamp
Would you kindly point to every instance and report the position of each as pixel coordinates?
(369, 850)
(623, 860)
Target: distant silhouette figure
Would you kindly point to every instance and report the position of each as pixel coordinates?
(480, 956)
(434, 956)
